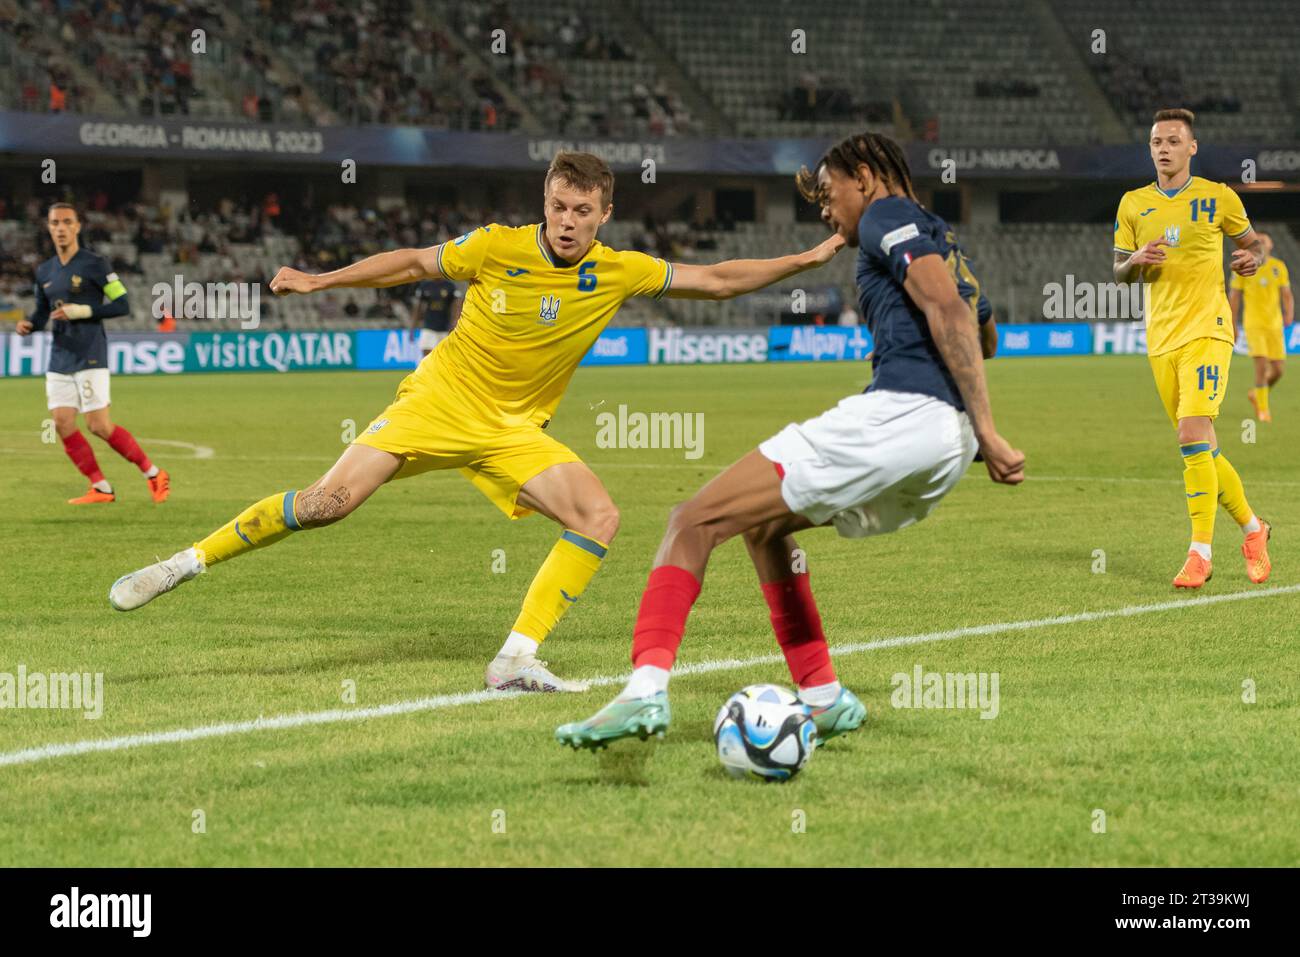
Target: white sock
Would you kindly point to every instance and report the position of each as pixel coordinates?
(645, 681)
(516, 645)
(1253, 525)
(1202, 549)
(153, 470)
(102, 486)
(820, 696)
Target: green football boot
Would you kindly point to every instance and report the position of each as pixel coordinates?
(621, 718)
(846, 714)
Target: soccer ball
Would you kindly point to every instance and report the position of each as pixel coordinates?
(764, 732)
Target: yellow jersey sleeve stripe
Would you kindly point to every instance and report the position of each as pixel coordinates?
(1121, 249)
(441, 247)
(1242, 233)
(668, 279)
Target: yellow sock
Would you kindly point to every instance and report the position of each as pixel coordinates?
(268, 521)
(1232, 494)
(1201, 479)
(558, 583)
(1261, 397)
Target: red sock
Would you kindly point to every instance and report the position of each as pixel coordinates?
(125, 445)
(665, 603)
(798, 627)
(83, 456)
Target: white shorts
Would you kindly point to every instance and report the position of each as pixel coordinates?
(84, 391)
(875, 463)
(430, 338)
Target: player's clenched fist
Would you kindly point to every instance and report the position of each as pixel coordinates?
(24, 327)
(1150, 254)
(1244, 262)
(1005, 464)
(292, 280)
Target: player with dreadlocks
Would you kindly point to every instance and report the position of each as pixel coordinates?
(876, 463)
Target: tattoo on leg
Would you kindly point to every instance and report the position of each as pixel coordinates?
(317, 507)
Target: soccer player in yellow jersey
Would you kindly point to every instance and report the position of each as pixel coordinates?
(1170, 235)
(1269, 308)
(538, 297)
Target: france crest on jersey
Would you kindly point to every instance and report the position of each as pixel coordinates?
(893, 233)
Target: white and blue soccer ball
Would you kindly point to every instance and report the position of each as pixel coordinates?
(764, 732)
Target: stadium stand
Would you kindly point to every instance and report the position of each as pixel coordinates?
(930, 70)
(970, 94)
(575, 66)
(1179, 61)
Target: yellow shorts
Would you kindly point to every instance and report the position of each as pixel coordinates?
(1266, 341)
(1192, 379)
(432, 430)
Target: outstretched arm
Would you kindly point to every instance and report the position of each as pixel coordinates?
(735, 277)
(374, 272)
(931, 287)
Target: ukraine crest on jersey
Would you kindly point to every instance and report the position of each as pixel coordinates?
(529, 318)
(1185, 298)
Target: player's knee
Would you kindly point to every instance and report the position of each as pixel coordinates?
(760, 536)
(101, 429)
(1193, 430)
(604, 522)
(680, 517)
(598, 520)
(693, 519)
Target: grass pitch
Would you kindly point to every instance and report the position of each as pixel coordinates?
(1140, 715)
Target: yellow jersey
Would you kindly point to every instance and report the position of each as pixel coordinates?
(1261, 294)
(1185, 296)
(529, 318)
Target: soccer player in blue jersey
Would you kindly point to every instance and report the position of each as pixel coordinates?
(875, 463)
(76, 290)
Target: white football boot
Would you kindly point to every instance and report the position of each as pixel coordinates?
(143, 586)
(526, 673)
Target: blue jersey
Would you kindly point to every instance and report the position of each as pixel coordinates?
(86, 279)
(437, 297)
(892, 234)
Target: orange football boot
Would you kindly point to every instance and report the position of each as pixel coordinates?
(1255, 548)
(160, 486)
(93, 497)
(1196, 572)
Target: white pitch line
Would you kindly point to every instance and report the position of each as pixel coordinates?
(200, 451)
(46, 752)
